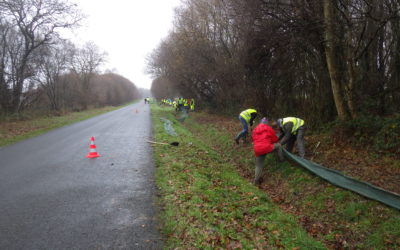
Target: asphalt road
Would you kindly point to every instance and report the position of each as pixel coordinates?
(53, 197)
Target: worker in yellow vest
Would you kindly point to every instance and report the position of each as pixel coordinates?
(246, 117)
(175, 105)
(292, 131)
(186, 104)
(180, 103)
(192, 104)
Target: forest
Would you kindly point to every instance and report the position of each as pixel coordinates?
(40, 71)
(322, 60)
(333, 63)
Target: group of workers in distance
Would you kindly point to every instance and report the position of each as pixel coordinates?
(269, 136)
(180, 104)
(147, 100)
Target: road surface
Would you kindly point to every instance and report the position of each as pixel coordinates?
(53, 197)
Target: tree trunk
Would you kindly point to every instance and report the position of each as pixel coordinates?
(330, 52)
(350, 64)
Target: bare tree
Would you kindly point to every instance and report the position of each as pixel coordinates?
(321, 60)
(55, 61)
(331, 49)
(5, 30)
(86, 64)
(37, 23)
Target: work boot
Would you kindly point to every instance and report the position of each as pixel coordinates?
(259, 181)
(237, 139)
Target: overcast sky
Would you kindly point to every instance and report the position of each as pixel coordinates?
(128, 30)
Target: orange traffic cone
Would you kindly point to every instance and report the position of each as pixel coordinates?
(92, 152)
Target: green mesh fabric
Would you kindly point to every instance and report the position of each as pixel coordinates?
(183, 115)
(338, 179)
(168, 127)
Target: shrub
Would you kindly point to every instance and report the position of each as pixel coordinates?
(379, 133)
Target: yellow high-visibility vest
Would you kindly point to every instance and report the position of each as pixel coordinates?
(247, 114)
(192, 104)
(297, 123)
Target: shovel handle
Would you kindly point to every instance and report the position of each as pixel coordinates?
(161, 143)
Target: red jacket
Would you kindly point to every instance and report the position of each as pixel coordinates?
(264, 138)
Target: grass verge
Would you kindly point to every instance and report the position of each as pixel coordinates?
(208, 205)
(15, 130)
(339, 218)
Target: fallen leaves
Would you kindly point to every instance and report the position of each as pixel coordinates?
(234, 245)
(319, 219)
(359, 163)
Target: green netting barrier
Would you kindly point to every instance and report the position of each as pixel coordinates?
(168, 127)
(338, 179)
(183, 115)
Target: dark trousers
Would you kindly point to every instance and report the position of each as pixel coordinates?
(298, 138)
(260, 165)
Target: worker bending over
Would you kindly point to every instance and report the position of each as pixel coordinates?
(246, 118)
(292, 131)
(265, 141)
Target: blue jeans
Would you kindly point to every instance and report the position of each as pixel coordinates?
(243, 133)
